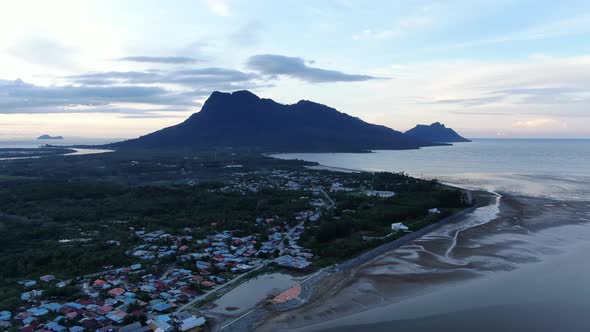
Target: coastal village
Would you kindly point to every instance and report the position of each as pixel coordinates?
(175, 272)
(132, 298)
(119, 299)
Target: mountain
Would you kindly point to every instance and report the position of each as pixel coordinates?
(436, 132)
(243, 120)
(49, 137)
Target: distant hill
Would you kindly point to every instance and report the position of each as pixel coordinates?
(243, 120)
(49, 137)
(436, 132)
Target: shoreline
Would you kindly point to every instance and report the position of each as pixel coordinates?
(309, 293)
(75, 152)
(372, 295)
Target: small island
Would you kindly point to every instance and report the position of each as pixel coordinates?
(49, 137)
(436, 132)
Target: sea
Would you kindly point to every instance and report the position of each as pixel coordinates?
(510, 267)
(35, 143)
(558, 168)
(66, 141)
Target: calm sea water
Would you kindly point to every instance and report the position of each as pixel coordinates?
(34, 143)
(544, 167)
(548, 292)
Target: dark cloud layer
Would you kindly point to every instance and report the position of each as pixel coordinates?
(271, 64)
(20, 97)
(174, 88)
(211, 77)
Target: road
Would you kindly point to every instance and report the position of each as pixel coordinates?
(332, 203)
(249, 319)
(220, 287)
(281, 245)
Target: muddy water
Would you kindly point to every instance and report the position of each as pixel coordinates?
(248, 294)
(518, 264)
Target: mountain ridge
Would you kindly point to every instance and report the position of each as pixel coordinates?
(436, 132)
(243, 120)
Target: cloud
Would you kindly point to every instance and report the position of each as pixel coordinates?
(400, 27)
(559, 28)
(211, 78)
(540, 123)
(537, 91)
(248, 34)
(469, 101)
(20, 97)
(139, 91)
(219, 7)
(159, 59)
(44, 51)
(548, 95)
(276, 65)
(150, 115)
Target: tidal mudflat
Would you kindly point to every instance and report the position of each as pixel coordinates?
(495, 258)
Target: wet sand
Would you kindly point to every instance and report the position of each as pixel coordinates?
(461, 270)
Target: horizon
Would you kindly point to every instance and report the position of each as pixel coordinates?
(91, 70)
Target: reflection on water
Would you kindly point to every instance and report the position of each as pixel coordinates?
(519, 265)
(77, 152)
(545, 168)
(248, 294)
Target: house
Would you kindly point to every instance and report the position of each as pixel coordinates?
(29, 283)
(54, 307)
(71, 315)
(29, 320)
(147, 288)
(5, 315)
(135, 327)
(74, 305)
(55, 327)
(47, 278)
(38, 312)
(99, 282)
(30, 327)
(298, 263)
(201, 265)
(159, 326)
(117, 316)
(380, 193)
(104, 310)
(398, 226)
(116, 292)
(161, 306)
(191, 323)
(207, 283)
(90, 324)
(217, 279)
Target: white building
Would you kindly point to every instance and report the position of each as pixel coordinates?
(380, 193)
(398, 226)
(191, 323)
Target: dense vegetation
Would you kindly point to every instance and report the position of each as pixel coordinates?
(340, 235)
(61, 215)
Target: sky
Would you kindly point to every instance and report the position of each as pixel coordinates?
(120, 69)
